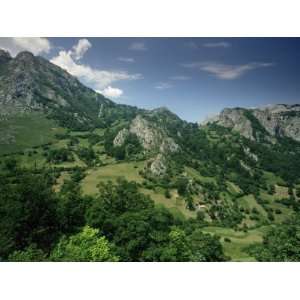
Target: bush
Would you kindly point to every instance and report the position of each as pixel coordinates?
(167, 194)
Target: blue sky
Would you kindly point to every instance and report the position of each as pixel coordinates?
(194, 77)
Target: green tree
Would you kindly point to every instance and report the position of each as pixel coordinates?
(182, 185)
(27, 214)
(205, 247)
(115, 199)
(167, 194)
(86, 245)
(281, 243)
(71, 207)
(178, 248)
(31, 253)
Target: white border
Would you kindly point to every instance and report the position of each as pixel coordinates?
(150, 18)
(145, 281)
(152, 280)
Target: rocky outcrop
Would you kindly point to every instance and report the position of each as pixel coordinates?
(151, 137)
(158, 166)
(235, 119)
(280, 120)
(277, 120)
(120, 138)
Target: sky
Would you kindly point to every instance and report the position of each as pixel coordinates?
(194, 77)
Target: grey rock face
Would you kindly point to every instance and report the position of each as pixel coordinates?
(31, 83)
(159, 166)
(278, 120)
(153, 139)
(149, 136)
(120, 138)
(235, 119)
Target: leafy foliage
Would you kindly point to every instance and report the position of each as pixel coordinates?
(86, 245)
(281, 243)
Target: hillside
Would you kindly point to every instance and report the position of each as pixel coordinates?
(234, 176)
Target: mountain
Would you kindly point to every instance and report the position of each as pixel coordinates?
(270, 122)
(238, 171)
(30, 83)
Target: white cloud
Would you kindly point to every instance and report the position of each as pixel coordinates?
(36, 45)
(138, 46)
(180, 77)
(111, 92)
(80, 49)
(217, 45)
(126, 59)
(163, 86)
(95, 78)
(226, 71)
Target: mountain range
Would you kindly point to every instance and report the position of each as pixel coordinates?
(239, 169)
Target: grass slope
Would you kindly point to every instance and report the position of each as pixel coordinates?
(25, 131)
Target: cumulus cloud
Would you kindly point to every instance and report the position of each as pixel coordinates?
(180, 77)
(111, 92)
(36, 45)
(138, 46)
(226, 71)
(126, 59)
(79, 50)
(95, 78)
(217, 45)
(163, 86)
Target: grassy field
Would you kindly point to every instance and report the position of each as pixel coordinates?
(111, 172)
(175, 204)
(26, 131)
(239, 241)
(196, 175)
(131, 172)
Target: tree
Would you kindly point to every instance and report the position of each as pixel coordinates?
(182, 186)
(271, 190)
(86, 245)
(31, 253)
(167, 194)
(119, 152)
(205, 247)
(178, 247)
(27, 214)
(71, 207)
(281, 243)
(298, 192)
(10, 164)
(115, 199)
(77, 175)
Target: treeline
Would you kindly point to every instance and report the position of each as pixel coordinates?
(119, 224)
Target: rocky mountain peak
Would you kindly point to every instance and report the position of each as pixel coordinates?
(24, 55)
(4, 56)
(279, 120)
(31, 83)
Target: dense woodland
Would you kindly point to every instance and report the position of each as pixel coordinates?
(119, 224)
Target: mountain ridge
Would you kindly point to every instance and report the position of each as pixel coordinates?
(278, 120)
